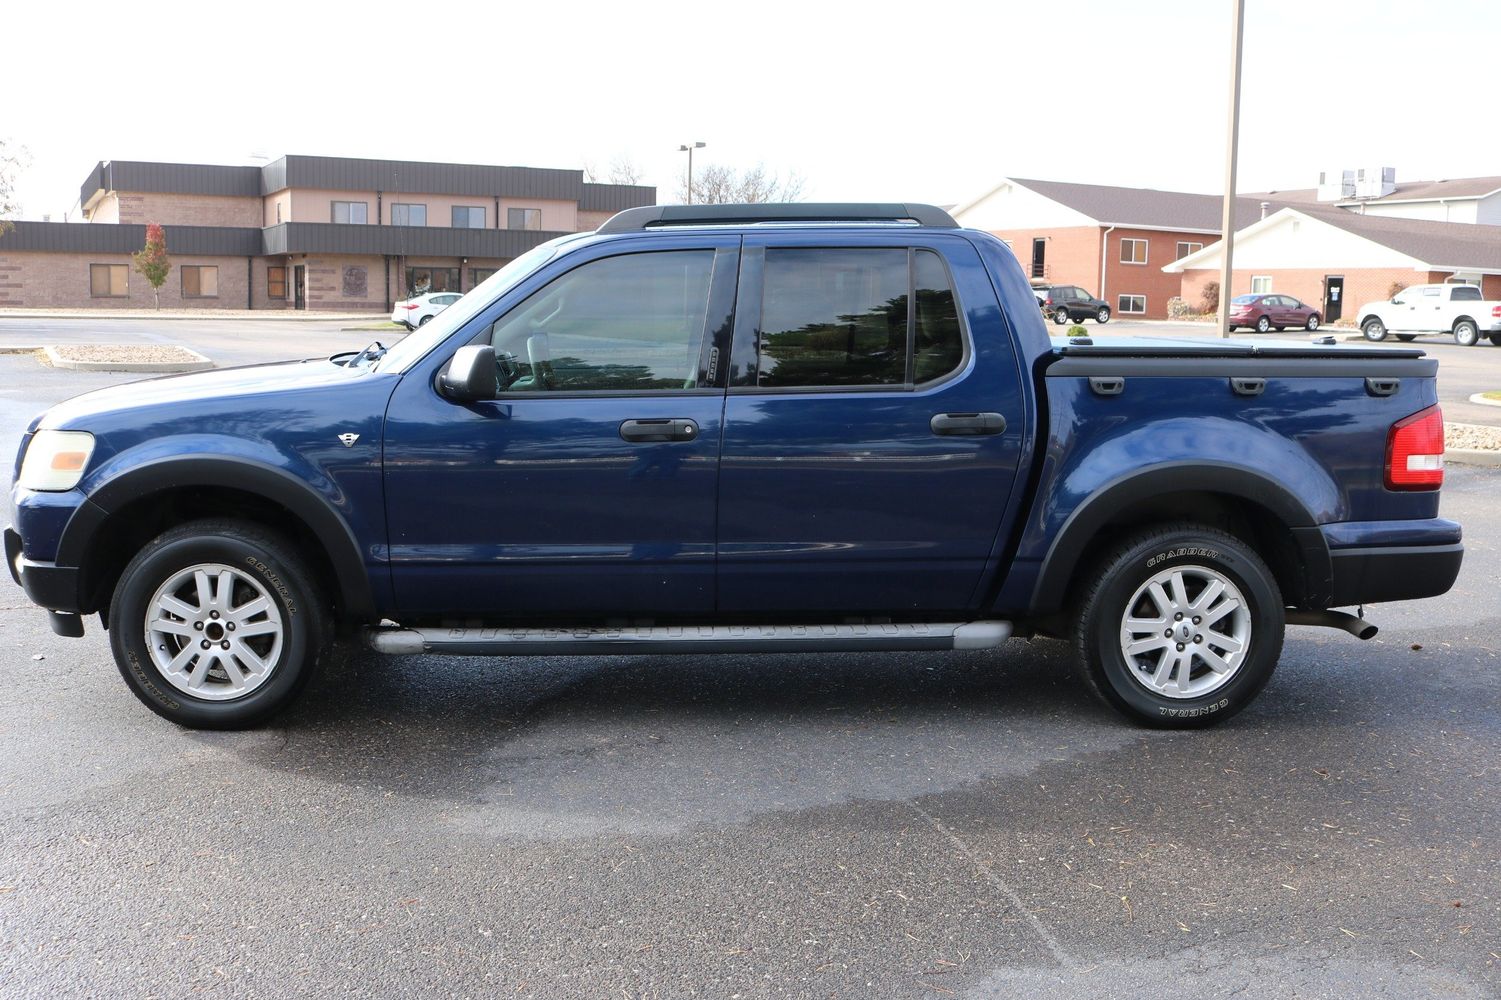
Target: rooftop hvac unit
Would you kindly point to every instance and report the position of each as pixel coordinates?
(1375, 182)
(1336, 185)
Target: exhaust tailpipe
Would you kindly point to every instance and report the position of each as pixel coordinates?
(1358, 627)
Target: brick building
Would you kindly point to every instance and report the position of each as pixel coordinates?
(1336, 259)
(1111, 239)
(301, 232)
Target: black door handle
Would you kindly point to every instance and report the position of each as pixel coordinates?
(659, 429)
(967, 423)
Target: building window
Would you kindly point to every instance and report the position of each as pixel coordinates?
(276, 282)
(523, 218)
(1261, 284)
(354, 213)
(478, 274)
(278, 213)
(1131, 304)
(421, 280)
(199, 282)
(468, 217)
(408, 215)
(108, 281)
(1133, 251)
(1184, 249)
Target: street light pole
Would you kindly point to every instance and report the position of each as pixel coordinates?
(1227, 215)
(689, 150)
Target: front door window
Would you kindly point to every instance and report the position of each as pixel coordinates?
(634, 322)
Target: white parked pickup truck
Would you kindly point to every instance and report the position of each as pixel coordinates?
(1456, 309)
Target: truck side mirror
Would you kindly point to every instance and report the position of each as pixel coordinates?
(470, 376)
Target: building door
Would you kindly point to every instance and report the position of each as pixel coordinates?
(299, 287)
(1334, 297)
(1039, 254)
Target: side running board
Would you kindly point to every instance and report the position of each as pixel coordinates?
(495, 641)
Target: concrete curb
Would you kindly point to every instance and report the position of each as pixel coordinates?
(1472, 456)
(1479, 398)
(199, 365)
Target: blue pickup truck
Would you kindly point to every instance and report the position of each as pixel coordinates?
(741, 429)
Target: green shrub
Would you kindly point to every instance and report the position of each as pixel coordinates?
(1077, 331)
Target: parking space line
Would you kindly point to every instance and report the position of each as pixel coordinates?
(1060, 954)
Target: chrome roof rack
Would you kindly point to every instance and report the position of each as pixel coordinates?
(635, 220)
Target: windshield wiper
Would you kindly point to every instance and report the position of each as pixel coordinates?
(373, 352)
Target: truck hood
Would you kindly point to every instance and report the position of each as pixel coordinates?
(217, 385)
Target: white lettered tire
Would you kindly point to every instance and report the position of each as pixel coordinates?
(1180, 626)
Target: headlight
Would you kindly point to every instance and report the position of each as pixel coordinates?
(55, 460)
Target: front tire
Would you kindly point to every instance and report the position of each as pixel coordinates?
(1466, 333)
(217, 624)
(1373, 329)
(1103, 316)
(1312, 324)
(1180, 627)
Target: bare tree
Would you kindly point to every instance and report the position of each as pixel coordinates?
(716, 184)
(622, 170)
(12, 159)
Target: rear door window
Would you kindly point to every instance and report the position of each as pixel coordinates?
(833, 318)
(1464, 293)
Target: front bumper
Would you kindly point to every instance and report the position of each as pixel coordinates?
(1392, 560)
(48, 585)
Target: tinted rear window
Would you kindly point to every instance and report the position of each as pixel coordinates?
(834, 318)
(1464, 293)
(938, 344)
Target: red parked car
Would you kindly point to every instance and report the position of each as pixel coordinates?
(1263, 311)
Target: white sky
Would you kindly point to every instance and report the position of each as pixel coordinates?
(927, 100)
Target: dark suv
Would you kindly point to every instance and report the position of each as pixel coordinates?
(1071, 304)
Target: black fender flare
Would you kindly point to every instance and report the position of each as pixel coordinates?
(245, 474)
(1087, 519)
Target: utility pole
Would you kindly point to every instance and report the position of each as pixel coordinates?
(1227, 216)
(689, 150)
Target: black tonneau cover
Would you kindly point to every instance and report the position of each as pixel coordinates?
(1079, 356)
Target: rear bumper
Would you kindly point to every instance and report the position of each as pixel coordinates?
(48, 585)
(1392, 560)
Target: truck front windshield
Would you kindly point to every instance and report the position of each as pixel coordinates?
(431, 334)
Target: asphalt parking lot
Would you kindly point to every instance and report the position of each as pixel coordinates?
(907, 825)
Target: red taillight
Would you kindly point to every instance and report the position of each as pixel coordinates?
(1415, 451)
(410, 305)
(1048, 301)
(1496, 310)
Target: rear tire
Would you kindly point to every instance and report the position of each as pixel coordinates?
(1495, 339)
(1466, 333)
(217, 624)
(1060, 316)
(423, 321)
(1263, 325)
(1137, 586)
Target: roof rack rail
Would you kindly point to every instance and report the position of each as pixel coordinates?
(634, 220)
